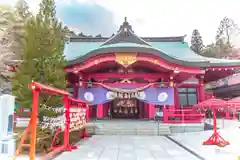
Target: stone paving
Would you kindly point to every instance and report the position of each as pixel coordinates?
(194, 142)
(127, 148)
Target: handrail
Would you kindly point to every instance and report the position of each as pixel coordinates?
(183, 115)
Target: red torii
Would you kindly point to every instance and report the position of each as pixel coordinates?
(36, 88)
(214, 104)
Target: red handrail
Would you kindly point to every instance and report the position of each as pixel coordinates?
(183, 115)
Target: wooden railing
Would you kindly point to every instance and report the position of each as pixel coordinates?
(183, 115)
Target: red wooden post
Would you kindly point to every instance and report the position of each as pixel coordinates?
(67, 123)
(87, 112)
(165, 115)
(151, 111)
(100, 111)
(34, 123)
(201, 89)
(214, 121)
(183, 117)
(227, 115)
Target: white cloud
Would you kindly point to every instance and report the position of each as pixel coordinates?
(175, 17)
(168, 17)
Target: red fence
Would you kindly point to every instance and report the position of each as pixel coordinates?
(183, 115)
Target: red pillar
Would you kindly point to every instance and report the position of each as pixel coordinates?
(67, 123)
(75, 90)
(99, 111)
(227, 114)
(170, 107)
(176, 97)
(87, 112)
(151, 111)
(165, 114)
(33, 125)
(201, 90)
(146, 111)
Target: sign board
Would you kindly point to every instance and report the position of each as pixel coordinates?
(159, 116)
(7, 142)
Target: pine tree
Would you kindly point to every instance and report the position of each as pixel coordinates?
(47, 11)
(197, 42)
(43, 59)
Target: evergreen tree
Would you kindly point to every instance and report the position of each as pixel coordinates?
(99, 36)
(47, 11)
(197, 42)
(43, 59)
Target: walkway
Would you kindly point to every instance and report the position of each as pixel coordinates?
(128, 148)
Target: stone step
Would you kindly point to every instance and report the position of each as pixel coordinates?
(130, 128)
(107, 131)
(130, 133)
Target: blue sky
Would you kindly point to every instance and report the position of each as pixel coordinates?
(147, 17)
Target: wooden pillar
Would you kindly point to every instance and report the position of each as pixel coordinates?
(33, 125)
(75, 90)
(100, 109)
(146, 111)
(170, 107)
(141, 109)
(227, 115)
(201, 89)
(151, 111)
(176, 104)
(165, 114)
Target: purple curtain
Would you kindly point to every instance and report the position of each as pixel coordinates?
(157, 96)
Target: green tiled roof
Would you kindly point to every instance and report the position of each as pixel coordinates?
(75, 50)
(172, 49)
(176, 50)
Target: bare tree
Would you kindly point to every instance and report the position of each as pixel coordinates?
(227, 30)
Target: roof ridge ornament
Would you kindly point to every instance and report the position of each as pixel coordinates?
(125, 34)
(125, 26)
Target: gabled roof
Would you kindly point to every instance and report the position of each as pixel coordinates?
(173, 49)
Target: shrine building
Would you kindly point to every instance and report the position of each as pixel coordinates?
(127, 76)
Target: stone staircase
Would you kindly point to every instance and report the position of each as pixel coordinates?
(129, 127)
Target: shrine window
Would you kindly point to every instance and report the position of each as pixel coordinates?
(187, 96)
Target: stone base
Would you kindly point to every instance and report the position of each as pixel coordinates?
(182, 128)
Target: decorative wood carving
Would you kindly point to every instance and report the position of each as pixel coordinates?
(126, 59)
(125, 81)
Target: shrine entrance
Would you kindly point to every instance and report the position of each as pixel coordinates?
(126, 109)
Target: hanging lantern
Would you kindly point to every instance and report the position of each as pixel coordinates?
(136, 110)
(131, 111)
(171, 84)
(126, 110)
(80, 83)
(89, 84)
(132, 95)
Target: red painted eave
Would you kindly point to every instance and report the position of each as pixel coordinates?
(145, 60)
